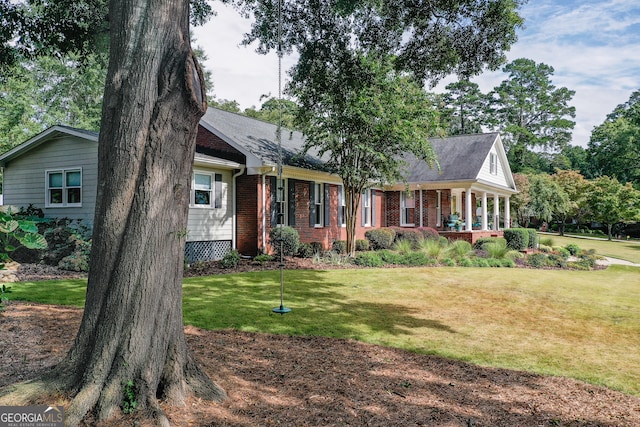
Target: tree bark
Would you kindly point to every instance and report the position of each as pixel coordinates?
(132, 326)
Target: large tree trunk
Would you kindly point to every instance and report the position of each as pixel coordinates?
(132, 326)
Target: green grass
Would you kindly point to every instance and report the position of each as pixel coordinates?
(581, 324)
(626, 250)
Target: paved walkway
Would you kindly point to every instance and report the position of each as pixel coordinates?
(608, 261)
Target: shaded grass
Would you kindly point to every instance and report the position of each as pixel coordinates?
(584, 325)
(626, 250)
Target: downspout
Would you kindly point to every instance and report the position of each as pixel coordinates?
(234, 219)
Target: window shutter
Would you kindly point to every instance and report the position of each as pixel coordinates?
(312, 204)
(373, 208)
(340, 196)
(291, 199)
(327, 205)
(273, 199)
(218, 191)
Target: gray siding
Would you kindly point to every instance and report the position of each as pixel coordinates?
(24, 177)
(206, 224)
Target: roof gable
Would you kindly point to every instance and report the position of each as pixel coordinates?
(49, 134)
(257, 140)
(460, 158)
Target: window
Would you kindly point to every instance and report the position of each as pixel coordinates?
(342, 207)
(366, 208)
(319, 206)
(438, 208)
(207, 190)
(64, 188)
(493, 164)
(281, 201)
(407, 208)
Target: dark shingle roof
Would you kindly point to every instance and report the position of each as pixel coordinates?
(259, 139)
(461, 158)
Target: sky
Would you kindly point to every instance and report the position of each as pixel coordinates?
(593, 46)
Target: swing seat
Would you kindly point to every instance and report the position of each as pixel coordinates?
(281, 310)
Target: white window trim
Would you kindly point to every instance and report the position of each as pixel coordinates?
(493, 163)
(318, 195)
(438, 208)
(403, 208)
(366, 204)
(342, 204)
(284, 203)
(213, 198)
(47, 195)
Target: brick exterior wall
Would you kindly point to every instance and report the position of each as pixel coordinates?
(211, 145)
(248, 213)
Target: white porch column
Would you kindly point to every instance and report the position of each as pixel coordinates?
(496, 212)
(468, 221)
(485, 222)
(507, 213)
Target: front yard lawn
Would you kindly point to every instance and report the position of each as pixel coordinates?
(580, 324)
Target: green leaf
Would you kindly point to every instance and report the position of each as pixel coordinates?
(28, 226)
(9, 248)
(8, 226)
(33, 241)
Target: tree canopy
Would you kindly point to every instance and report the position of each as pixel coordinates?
(615, 144)
(530, 112)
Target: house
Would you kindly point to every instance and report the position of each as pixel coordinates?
(236, 196)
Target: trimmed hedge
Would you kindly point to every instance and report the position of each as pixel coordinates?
(380, 238)
(290, 240)
(517, 238)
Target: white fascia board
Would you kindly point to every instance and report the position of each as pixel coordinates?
(252, 160)
(204, 160)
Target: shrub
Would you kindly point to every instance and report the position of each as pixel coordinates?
(263, 259)
(288, 236)
(537, 260)
(368, 259)
(431, 247)
(415, 259)
(78, 260)
(533, 238)
(556, 260)
(389, 256)
(545, 248)
(573, 249)
(465, 262)
(429, 233)
(230, 260)
(403, 246)
(517, 238)
(317, 247)
(362, 245)
(305, 250)
(509, 263)
(498, 249)
(563, 252)
(459, 248)
(411, 235)
(493, 262)
(479, 244)
(547, 241)
(449, 262)
(339, 246)
(380, 238)
(480, 262)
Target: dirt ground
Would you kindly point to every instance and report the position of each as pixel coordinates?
(313, 381)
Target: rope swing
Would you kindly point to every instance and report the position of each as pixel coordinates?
(282, 309)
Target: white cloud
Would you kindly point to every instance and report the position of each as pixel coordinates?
(591, 44)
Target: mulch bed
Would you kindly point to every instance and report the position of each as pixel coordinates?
(315, 381)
